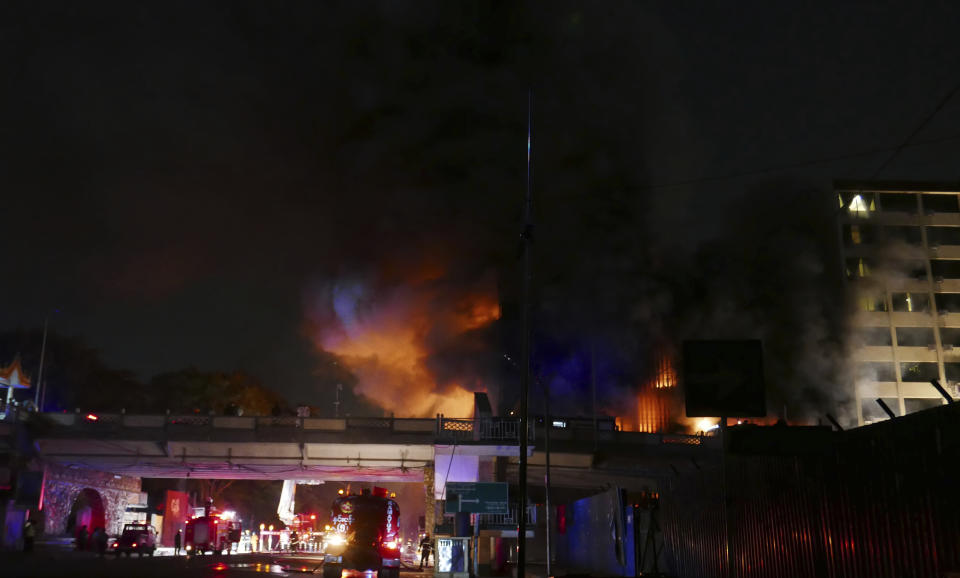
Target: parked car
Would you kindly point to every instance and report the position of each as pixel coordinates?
(139, 538)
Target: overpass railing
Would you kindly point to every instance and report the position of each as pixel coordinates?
(508, 521)
(441, 428)
(467, 430)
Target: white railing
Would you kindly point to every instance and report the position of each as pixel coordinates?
(443, 429)
(509, 520)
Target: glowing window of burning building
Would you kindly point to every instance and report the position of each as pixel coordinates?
(858, 206)
(910, 302)
(858, 268)
(872, 302)
(919, 371)
(666, 376)
(855, 235)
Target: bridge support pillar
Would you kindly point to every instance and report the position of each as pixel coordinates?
(430, 502)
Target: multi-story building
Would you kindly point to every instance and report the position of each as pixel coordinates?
(901, 254)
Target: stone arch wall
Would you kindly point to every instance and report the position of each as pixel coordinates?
(62, 486)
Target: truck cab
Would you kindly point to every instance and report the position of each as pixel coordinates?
(214, 533)
(365, 536)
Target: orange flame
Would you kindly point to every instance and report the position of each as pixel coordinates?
(385, 338)
(656, 404)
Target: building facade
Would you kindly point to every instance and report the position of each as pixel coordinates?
(901, 255)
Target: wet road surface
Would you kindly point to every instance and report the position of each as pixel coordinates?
(82, 564)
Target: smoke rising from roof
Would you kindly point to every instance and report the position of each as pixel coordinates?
(417, 346)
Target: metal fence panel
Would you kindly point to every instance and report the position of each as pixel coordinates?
(879, 501)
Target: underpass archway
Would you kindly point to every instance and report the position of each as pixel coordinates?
(87, 513)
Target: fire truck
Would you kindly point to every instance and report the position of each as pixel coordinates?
(214, 531)
(365, 535)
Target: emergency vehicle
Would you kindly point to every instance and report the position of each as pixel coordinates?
(214, 531)
(365, 535)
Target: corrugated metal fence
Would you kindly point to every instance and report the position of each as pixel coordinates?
(878, 501)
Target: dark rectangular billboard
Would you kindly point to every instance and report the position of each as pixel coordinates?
(724, 378)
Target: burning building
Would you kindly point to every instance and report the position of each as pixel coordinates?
(901, 259)
(656, 404)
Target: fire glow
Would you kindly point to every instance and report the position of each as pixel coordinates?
(387, 335)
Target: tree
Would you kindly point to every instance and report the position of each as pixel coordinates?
(195, 391)
(74, 372)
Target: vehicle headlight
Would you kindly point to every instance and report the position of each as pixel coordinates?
(189, 548)
(337, 540)
(391, 545)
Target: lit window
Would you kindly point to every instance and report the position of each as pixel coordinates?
(855, 235)
(872, 303)
(859, 207)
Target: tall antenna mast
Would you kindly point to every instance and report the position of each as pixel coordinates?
(526, 241)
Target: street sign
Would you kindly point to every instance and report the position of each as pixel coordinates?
(477, 498)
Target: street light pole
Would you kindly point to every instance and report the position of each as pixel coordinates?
(525, 357)
(37, 401)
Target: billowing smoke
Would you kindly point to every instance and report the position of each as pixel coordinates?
(418, 345)
(775, 274)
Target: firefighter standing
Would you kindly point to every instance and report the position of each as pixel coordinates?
(29, 534)
(177, 541)
(426, 547)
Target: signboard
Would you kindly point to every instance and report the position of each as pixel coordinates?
(176, 510)
(724, 378)
(477, 498)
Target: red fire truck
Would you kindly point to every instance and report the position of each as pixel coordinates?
(214, 531)
(365, 535)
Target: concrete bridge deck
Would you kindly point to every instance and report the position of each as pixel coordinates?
(285, 447)
(353, 448)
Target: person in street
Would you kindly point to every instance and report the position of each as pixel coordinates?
(100, 539)
(82, 538)
(177, 541)
(426, 547)
(29, 534)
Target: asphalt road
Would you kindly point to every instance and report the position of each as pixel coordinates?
(82, 564)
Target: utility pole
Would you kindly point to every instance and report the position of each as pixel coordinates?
(547, 426)
(336, 404)
(593, 389)
(526, 241)
(37, 401)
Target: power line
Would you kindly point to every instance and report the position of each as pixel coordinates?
(943, 102)
(779, 168)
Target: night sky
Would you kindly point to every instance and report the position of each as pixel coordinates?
(183, 180)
